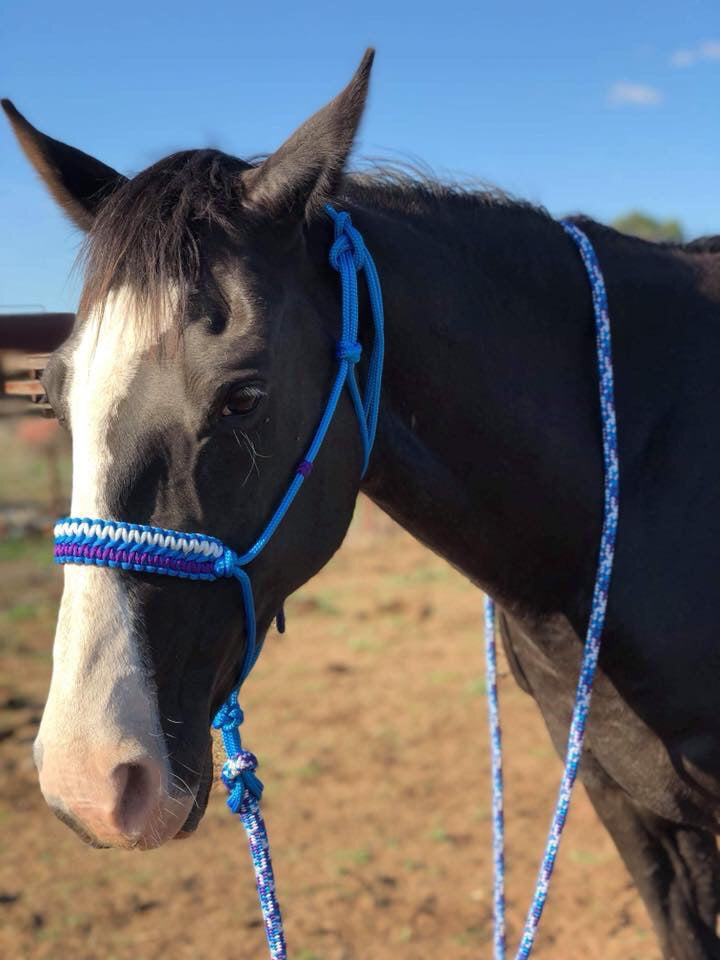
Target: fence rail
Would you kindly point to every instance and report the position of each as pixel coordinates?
(26, 342)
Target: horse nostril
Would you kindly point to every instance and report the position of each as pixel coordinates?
(136, 787)
(114, 798)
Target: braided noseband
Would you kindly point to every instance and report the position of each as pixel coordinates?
(195, 556)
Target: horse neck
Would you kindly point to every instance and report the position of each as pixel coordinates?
(488, 442)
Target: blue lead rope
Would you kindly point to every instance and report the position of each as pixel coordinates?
(195, 556)
(591, 650)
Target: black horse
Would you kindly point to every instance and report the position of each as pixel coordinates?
(206, 334)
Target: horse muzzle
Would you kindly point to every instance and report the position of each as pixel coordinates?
(112, 796)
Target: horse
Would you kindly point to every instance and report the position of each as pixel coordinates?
(205, 335)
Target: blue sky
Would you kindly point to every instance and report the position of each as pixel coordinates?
(599, 107)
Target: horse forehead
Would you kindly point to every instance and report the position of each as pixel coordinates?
(111, 346)
(113, 340)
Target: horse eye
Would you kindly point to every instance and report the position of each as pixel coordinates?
(241, 401)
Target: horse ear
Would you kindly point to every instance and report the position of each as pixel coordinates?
(303, 173)
(77, 181)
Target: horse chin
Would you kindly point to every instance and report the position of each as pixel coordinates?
(197, 810)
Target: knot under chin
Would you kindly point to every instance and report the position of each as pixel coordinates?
(236, 766)
(238, 775)
(347, 240)
(229, 716)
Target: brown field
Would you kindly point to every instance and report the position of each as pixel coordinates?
(369, 719)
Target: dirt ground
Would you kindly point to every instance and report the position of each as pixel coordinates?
(369, 717)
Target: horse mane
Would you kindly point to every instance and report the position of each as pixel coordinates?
(709, 244)
(148, 233)
(413, 188)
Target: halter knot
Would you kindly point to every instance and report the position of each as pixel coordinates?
(238, 775)
(348, 350)
(229, 716)
(225, 564)
(347, 240)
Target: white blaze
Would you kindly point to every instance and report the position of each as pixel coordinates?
(101, 709)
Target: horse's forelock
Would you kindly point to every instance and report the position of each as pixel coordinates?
(148, 234)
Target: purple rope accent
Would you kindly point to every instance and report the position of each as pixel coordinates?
(252, 821)
(68, 552)
(244, 793)
(496, 763)
(304, 468)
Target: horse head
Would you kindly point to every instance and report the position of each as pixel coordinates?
(202, 354)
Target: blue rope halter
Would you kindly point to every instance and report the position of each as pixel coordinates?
(195, 556)
(576, 736)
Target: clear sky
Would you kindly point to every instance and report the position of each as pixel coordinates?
(593, 107)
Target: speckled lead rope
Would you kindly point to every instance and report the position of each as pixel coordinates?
(592, 641)
(194, 556)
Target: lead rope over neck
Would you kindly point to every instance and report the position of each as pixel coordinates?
(195, 556)
(591, 651)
